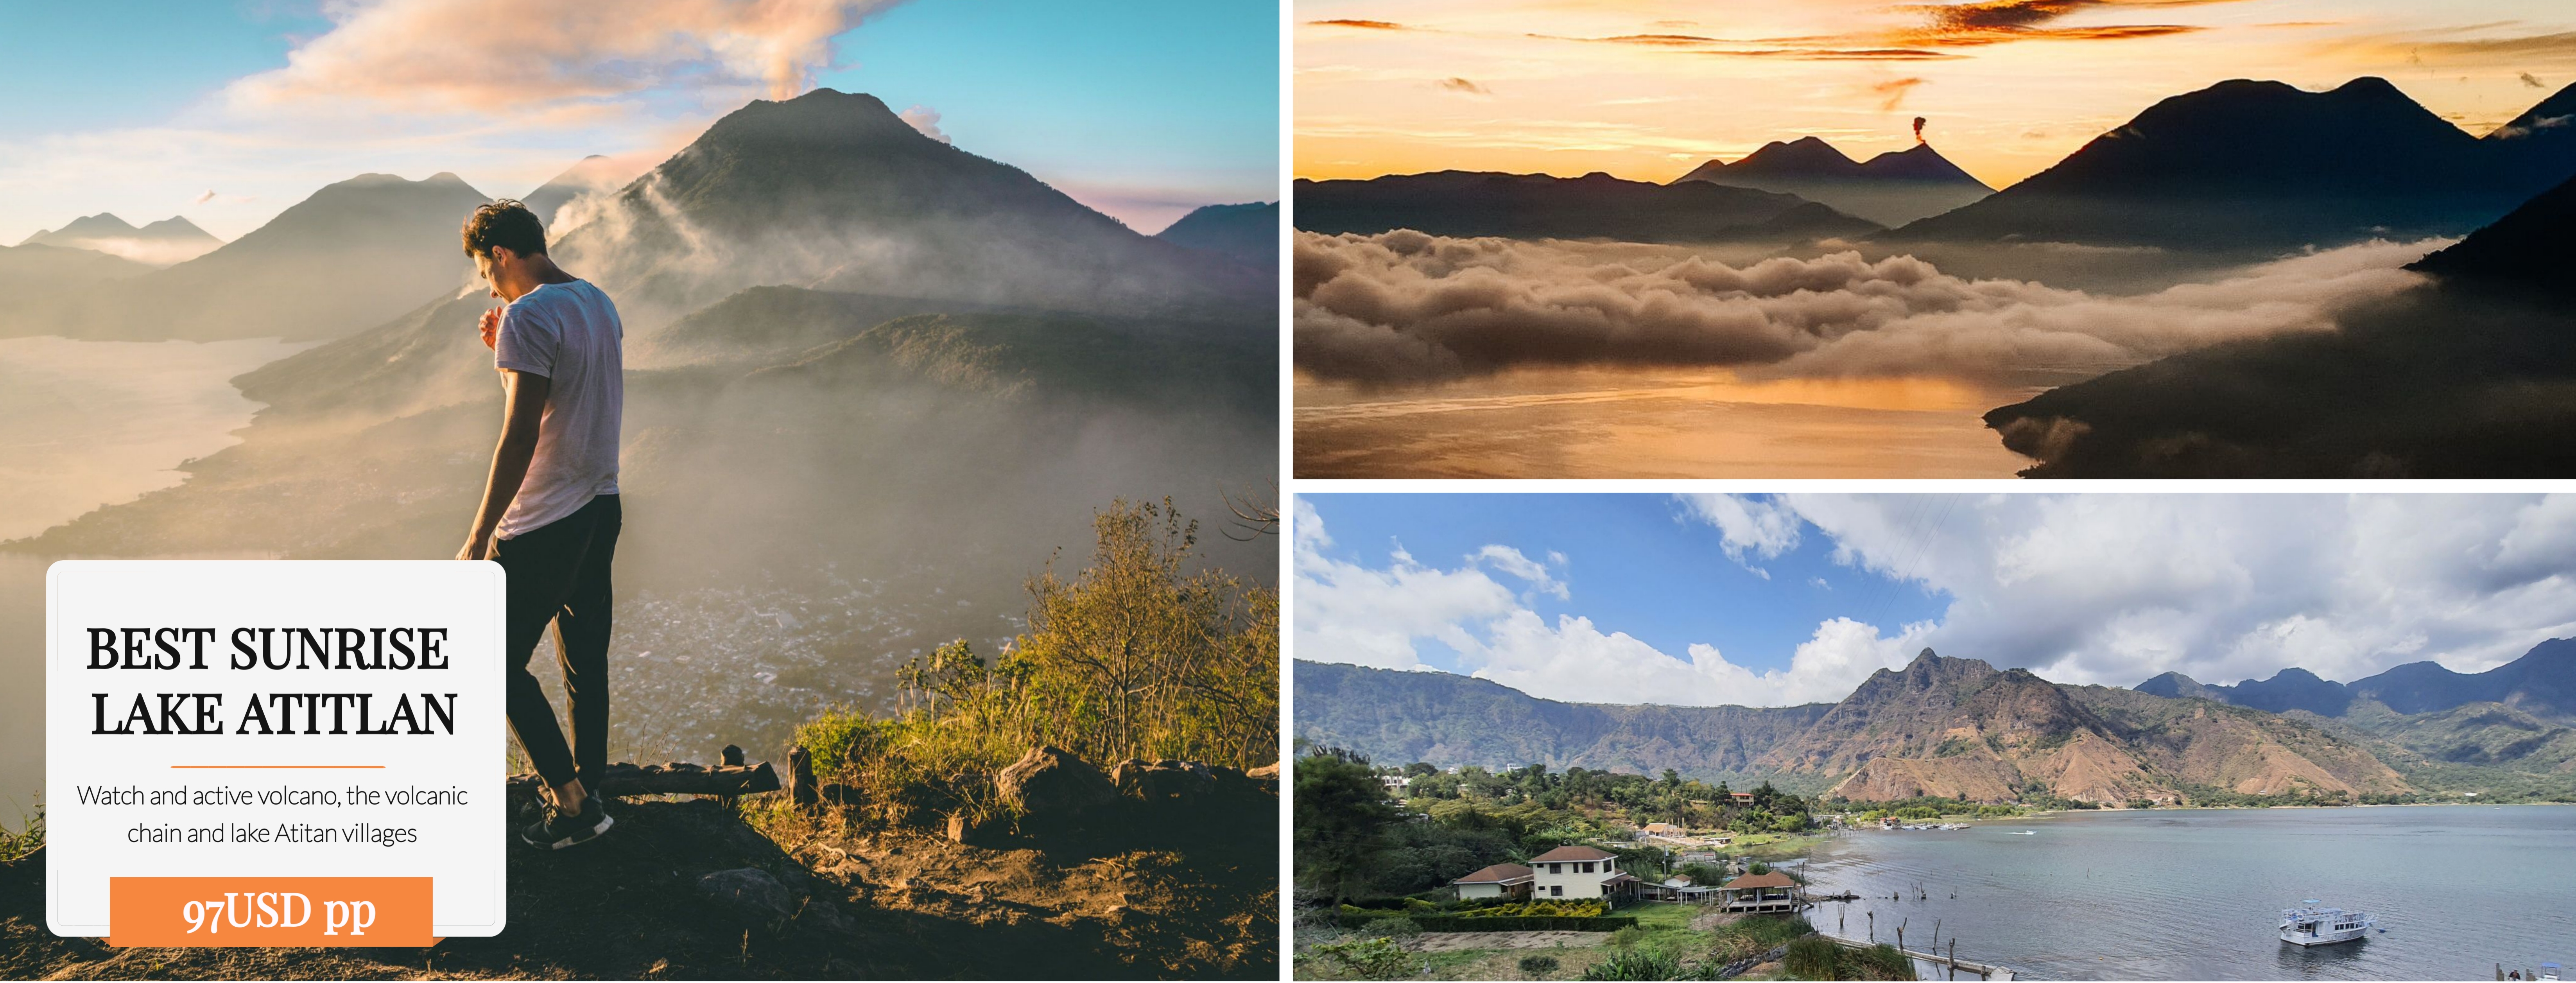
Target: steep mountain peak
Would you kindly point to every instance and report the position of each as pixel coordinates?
(2523, 251)
(1919, 163)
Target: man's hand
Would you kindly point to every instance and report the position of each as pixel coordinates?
(492, 330)
(476, 548)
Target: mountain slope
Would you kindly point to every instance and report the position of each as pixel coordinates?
(1940, 726)
(1447, 719)
(345, 259)
(1891, 189)
(1247, 234)
(2256, 165)
(831, 190)
(2525, 251)
(1533, 206)
(595, 174)
(2472, 378)
(2542, 681)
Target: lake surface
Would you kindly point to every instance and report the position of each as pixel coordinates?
(2195, 895)
(91, 423)
(1652, 423)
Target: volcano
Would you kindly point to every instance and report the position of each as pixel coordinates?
(2256, 165)
(161, 243)
(832, 190)
(1891, 189)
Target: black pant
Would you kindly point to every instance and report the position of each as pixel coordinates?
(558, 573)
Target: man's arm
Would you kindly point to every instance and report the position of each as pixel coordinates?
(523, 409)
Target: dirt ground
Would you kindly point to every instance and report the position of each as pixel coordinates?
(887, 905)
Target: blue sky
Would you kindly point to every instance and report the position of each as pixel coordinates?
(1638, 563)
(1710, 599)
(228, 112)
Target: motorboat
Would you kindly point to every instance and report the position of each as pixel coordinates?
(2025, 832)
(2548, 971)
(2311, 925)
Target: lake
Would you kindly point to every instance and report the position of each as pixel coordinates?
(91, 423)
(1652, 423)
(2195, 894)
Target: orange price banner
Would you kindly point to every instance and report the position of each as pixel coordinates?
(268, 911)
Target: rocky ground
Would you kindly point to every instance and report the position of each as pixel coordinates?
(689, 890)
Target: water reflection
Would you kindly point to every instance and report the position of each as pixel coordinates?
(1639, 423)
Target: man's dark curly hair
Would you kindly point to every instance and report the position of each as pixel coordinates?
(508, 224)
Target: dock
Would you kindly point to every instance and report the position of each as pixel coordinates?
(1933, 965)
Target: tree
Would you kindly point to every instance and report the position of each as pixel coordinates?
(1342, 817)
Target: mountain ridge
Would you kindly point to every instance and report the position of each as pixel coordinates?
(1937, 726)
(1891, 189)
(1533, 206)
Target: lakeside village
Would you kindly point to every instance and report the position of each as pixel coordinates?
(1521, 873)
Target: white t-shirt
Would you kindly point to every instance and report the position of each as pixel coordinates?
(569, 333)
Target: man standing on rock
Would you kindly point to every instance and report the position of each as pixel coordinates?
(550, 514)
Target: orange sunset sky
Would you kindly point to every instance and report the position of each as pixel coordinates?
(1645, 89)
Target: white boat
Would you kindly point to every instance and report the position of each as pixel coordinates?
(2311, 925)
(2548, 971)
(2025, 832)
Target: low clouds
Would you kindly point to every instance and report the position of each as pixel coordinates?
(2082, 589)
(503, 55)
(926, 120)
(1462, 85)
(1405, 307)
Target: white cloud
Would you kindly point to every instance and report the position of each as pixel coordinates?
(1510, 561)
(926, 120)
(1747, 525)
(1354, 613)
(2115, 588)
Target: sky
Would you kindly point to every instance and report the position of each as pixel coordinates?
(229, 111)
(1774, 600)
(1647, 89)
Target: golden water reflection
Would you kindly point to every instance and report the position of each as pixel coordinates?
(1652, 423)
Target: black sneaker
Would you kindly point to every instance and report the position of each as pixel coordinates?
(560, 830)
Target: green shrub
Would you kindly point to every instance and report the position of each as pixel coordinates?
(1813, 957)
(1397, 927)
(1635, 964)
(1371, 959)
(1627, 938)
(26, 841)
(1883, 962)
(1538, 965)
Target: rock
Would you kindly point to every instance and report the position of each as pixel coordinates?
(801, 785)
(1168, 780)
(1049, 785)
(825, 917)
(968, 831)
(1267, 773)
(751, 893)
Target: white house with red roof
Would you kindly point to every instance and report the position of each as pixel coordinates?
(1580, 872)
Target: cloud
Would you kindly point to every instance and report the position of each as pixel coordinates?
(2001, 21)
(1355, 613)
(1891, 93)
(1404, 307)
(1370, 25)
(1510, 561)
(1463, 85)
(1753, 526)
(2113, 589)
(2533, 81)
(504, 55)
(2512, 132)
(926, 120)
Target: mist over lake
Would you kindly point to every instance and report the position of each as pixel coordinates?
(2195, 894)
(91, 423)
